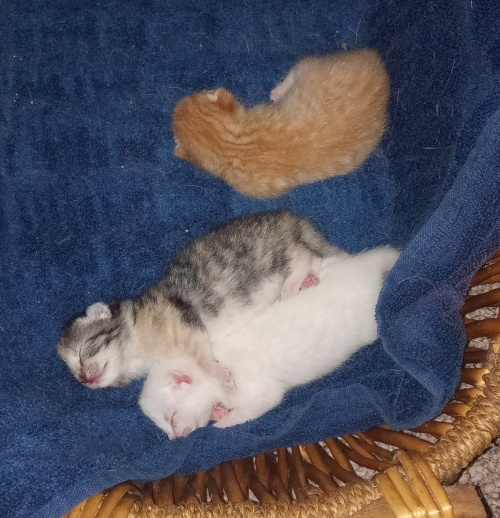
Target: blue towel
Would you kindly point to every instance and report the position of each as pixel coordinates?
(94, 206)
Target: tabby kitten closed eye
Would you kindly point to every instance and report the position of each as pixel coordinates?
(327, 117)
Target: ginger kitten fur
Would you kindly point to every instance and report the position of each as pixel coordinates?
(327, 117)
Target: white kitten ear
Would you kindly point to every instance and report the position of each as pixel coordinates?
(98, 311)
(178, 379)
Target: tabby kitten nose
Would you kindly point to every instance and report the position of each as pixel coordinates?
(82, 378)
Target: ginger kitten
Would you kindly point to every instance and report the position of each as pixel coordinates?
(327, 117)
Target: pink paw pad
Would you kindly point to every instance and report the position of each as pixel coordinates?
(310, 281)
(219, 411)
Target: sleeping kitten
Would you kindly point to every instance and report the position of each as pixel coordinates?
(291, 343)
(249, 263)
(328, 115)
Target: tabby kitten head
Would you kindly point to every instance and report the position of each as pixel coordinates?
(93, 347)
(204, 125)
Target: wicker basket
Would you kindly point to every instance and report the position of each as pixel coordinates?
(341, 476)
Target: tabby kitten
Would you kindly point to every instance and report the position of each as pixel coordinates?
(249, 263)
(328, 115)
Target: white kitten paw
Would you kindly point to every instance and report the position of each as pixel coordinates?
(225, 422)
(232, 418)
(219, 411)
(290, 289)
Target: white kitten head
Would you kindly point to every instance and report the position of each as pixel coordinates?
(179, 397)
(93, 346)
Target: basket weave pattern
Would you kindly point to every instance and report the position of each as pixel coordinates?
(336, 477)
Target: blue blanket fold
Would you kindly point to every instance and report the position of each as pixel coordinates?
(95, 206)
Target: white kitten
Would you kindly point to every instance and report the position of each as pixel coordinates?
(291, 343)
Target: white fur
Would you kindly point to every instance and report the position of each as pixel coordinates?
(293, 342)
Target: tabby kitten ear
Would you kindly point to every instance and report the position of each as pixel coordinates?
(223, 98)
(98, 311)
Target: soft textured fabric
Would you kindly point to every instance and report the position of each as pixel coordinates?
(95, 205)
